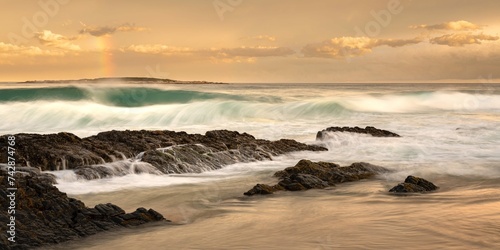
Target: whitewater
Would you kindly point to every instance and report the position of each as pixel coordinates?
(450, 135)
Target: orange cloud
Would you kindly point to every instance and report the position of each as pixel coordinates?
(48, 38)
(260, 51)
(157, 49)
(344, 47)
(7, 49)
(456, 40)
(10, 52)
(108, 30)
(241, 52)
(456, 25)
(266, 38)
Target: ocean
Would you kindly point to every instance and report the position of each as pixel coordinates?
(450, 135)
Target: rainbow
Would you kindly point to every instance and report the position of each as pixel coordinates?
(105, 45)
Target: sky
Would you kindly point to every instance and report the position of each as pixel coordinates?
(252, 41)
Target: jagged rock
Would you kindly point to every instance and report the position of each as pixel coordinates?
(44, 215)
(368, 130)
(29, 171)
(414, 184)
(168, 151)
(316, 175)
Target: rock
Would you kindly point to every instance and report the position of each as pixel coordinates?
(298, 182)
(262, 189)
(44, 215)
(368, 130)
(168, 151)
(306, 181)
(29, 171)
(316, 175)
(414, 184)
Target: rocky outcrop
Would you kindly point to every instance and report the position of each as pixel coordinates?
(168, 151)
(44, 215)
(316, 175)
(414, 184)
(368, 130)
(117, 168)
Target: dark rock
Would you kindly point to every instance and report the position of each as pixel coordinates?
(316, 175)
(368, 130)
(109, 209)
(291, 185)
(262, 189)
(309, 181)
(429, 186)
(168, 151)
(29, 171)
(297, 182)
(44, 215)
(414, 184)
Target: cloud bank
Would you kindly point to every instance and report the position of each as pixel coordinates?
(9, 51)
(109, 30)
(212, 53)
(455, 25)
(461, 39)
(48, 38)
(344, 47)
(265, 38)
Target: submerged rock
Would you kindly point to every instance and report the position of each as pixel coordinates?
(414, 184)
(316, 175)
(368, 130)
(168, 151)
(44, 215)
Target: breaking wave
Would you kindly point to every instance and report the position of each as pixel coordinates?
(74, 108)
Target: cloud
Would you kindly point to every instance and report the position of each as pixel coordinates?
(108, 30)
(260, 51)
(456, 25)
(130, 28)
(461, 39)
(48, 38)
(265, 38)
(345, 47)
(10, 51)
(247, 54)
(157, 49)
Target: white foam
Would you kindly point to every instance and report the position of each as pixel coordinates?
(132, 181)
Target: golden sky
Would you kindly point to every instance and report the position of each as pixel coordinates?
(252, 40)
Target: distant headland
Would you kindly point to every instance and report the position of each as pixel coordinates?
(124, 80)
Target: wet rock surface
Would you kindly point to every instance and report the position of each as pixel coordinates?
(168, 151)
(367, 130)
(44, 215)
(316, 175)
(414, 184)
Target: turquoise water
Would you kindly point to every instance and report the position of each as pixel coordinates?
(88, 109)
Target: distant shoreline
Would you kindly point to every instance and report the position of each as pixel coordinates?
(149, 80)
(123, 79)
